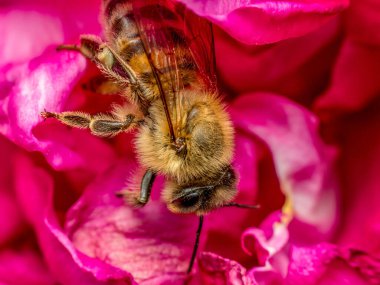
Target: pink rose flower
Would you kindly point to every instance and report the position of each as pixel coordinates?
(300, 79)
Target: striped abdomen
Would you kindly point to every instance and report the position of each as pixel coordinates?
(151, 35)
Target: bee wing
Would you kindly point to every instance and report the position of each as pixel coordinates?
(177, 43)
(200, 36)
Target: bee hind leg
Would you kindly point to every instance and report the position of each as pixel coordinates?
(100, 125)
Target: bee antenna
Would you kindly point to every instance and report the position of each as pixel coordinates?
(233, 204)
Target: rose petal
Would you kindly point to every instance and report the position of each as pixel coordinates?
(11, 218)
(34, 188)
(218, 270)
(297, 68)
(23, 267)
(225, 225)
(262, 22)
(151, 243)
(46, 83)
(269, 243)
(17, 24)
(301, 160)
(355, 83)
(360, 161)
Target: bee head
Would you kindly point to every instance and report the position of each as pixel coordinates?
(203, 196)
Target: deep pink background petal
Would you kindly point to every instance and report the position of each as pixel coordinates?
(262, 22)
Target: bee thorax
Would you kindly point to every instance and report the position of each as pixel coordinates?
(203, 142)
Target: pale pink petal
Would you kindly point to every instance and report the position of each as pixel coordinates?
(27, 29)
(68, 265)
(34, 77)
(302, 161)
(18, 42)
(270, 244)
(151, 243)
(281, 261)
(262, 22)
(46, 83)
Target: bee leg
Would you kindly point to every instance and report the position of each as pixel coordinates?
(140, 199)
(146, 186)
(88, 47)
(72, 119)
(100, 125)
(196, 244)
(101, 85)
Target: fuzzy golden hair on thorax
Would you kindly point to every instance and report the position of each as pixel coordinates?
(204, 126)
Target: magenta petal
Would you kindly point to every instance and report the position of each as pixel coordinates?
(20, 267)
(360, 160)
(217, 270)
(12, 220)
(363, 21)
(43, 83)
(308, 264)
(354, 81)
(151, 243)
(16, 25)
(292, 68)
(46, 83)
(270, 244)
(301, 159)
(34, 188)
(261, 22)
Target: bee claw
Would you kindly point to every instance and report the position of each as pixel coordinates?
(67, 47)
(45, 114)
(131, 198)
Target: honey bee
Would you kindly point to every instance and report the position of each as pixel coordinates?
(160, 57)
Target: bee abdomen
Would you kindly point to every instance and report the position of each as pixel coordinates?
(131, 43)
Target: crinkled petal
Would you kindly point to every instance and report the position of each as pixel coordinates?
(281, 261)
(218, 270)
(46, 83)
(302, 161)
(66, 263)
(262, 22)
(34, 76)
(270, 244)
(151, 243)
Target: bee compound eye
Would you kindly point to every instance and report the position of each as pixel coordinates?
(187, 201)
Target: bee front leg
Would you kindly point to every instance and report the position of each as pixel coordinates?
(88, 47)
(100, 125)
(146, 187)
(143, 196)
